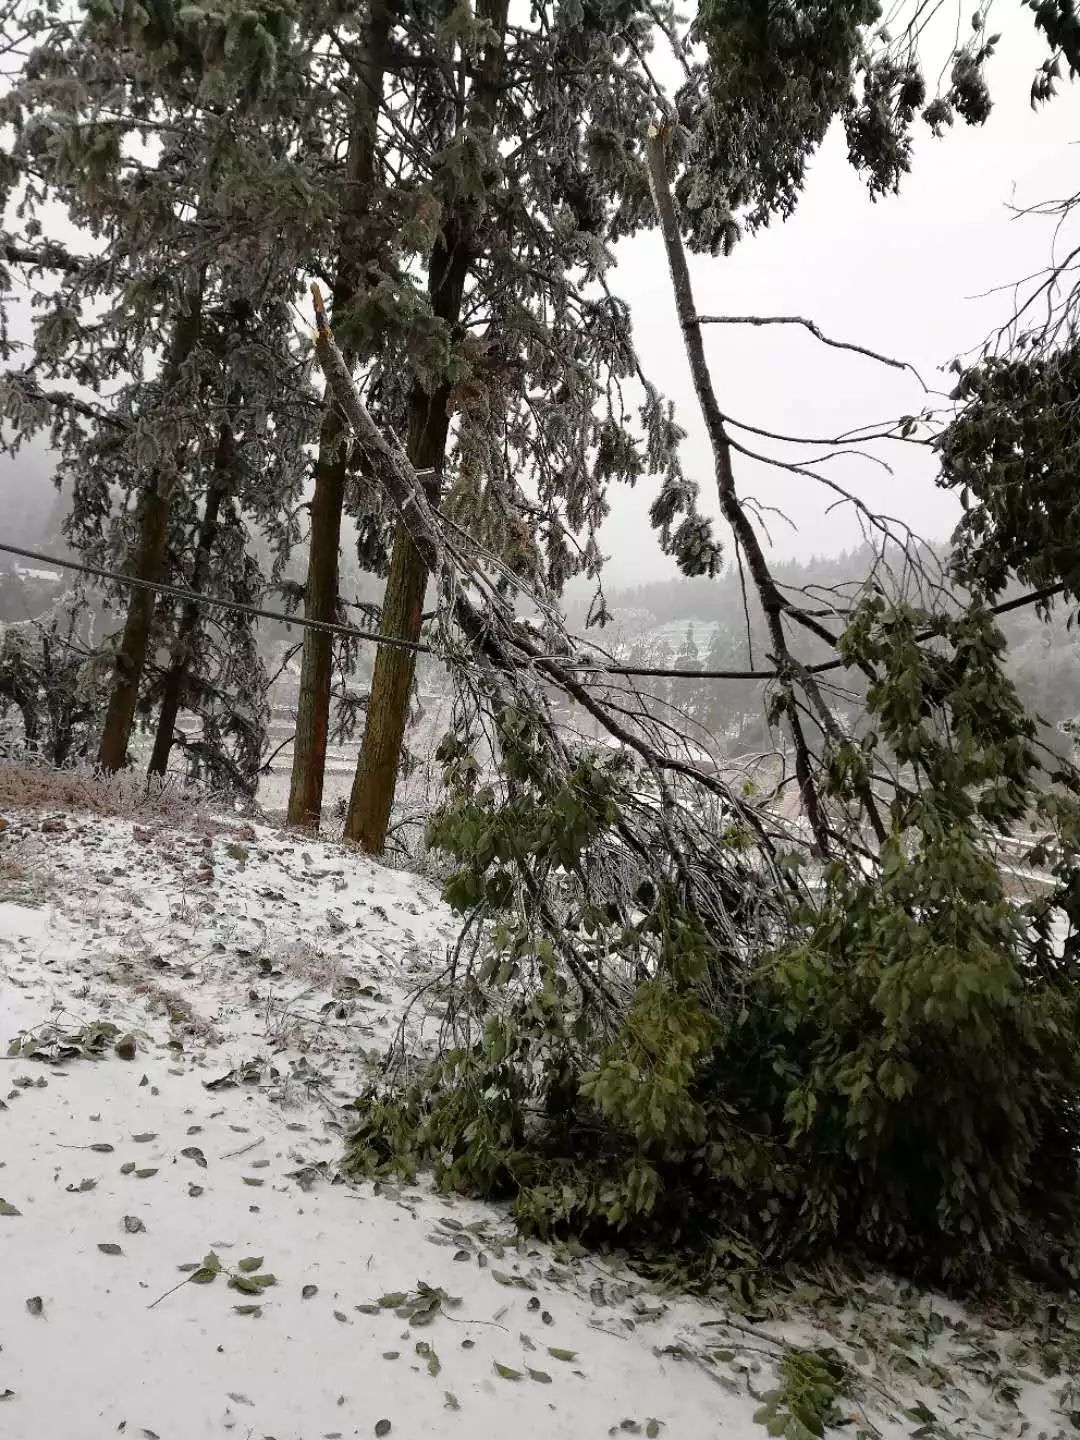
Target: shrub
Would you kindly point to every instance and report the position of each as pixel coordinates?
(892, 1070)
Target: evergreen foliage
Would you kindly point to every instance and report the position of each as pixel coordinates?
(172, 332)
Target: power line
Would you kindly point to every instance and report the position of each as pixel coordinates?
(178, 592)
(1033, 597)
(601, 668)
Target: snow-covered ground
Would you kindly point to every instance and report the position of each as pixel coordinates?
(261, 978)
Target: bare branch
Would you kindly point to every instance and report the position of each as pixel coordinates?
(772, 602)
(817, 333)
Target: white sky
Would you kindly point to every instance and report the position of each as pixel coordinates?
(898, 276)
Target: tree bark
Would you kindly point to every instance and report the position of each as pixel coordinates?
(375, 782)
(355, 253)
(146, 562)
(183, 648)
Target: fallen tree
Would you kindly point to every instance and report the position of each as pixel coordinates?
(677, 1021)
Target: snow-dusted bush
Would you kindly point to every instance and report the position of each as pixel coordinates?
(886, 1062)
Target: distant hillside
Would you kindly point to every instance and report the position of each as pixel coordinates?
(703, 623)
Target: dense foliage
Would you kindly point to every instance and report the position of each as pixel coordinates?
(1012, 453)
(43, 680)
(888, 1065)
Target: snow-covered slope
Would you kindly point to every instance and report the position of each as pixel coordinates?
(261, 977)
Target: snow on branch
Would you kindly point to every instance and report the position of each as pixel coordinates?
(814, 330)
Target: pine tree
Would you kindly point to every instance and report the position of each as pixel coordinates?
(428, 427)
(535, 175)
(183, 258)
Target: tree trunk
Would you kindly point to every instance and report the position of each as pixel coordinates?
(182, 650)
(375, 782)
(355, 253)
(145, 563)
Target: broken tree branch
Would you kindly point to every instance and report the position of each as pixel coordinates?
(493, 636)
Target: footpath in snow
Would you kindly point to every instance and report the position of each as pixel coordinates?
(192, 1006)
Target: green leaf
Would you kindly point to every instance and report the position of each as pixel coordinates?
(253, 1180)
(204, 1275)
(426, 1352)
(146, 1173)
(392, 1300)
(128, 1167)
(109, 1247)
(249, 1263)
(102, 1148)
(246, 1284)
(921, 1413)
(652, 1428)
(567, 1355)
(540, 1376)
(248, 1309)
(506, 1371)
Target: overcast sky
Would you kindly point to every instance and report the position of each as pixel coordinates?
(898, 276)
